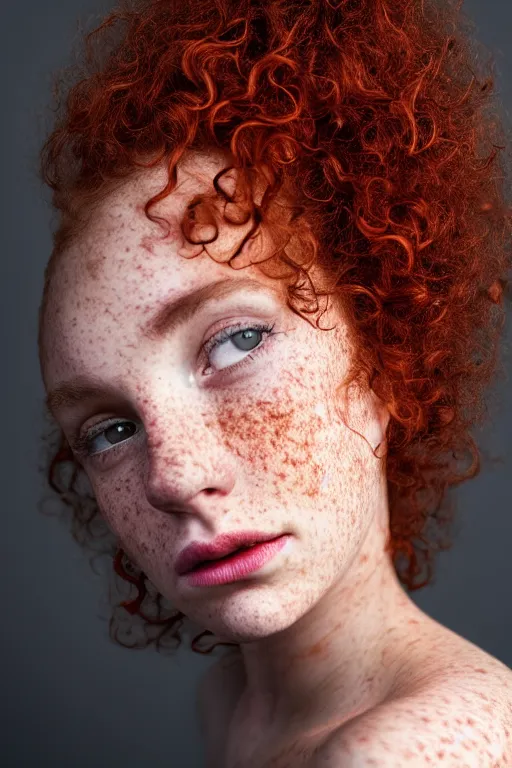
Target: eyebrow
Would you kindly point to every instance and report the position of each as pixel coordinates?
(166, 321)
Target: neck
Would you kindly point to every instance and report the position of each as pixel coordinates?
(339, 659)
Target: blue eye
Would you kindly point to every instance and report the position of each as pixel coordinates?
(245, 336)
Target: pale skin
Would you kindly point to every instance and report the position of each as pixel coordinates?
(337, 665)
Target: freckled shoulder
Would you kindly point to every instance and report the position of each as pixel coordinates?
(453, 722)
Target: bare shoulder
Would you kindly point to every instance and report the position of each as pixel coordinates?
(460, 718)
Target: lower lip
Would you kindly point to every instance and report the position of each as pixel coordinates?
(236, 567)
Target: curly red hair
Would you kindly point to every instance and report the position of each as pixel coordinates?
(372, 116)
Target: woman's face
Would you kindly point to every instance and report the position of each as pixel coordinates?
(243, 436)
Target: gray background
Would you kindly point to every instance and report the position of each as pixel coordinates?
(70, 696)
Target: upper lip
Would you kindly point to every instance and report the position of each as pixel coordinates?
(196, 552)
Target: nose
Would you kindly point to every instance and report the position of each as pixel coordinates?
(180, 474)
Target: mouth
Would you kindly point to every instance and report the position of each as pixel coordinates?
(238, 565)
(225, 546)
(220, 559)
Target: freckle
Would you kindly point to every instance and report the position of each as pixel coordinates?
(440, 754)
(426, 719)
(482, 671)
(470, 721)
(127, 249)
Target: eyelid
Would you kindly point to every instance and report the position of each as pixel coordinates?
(215, 339)
(241, 312)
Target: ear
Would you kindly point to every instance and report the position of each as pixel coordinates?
(378, 422)
(369, 415)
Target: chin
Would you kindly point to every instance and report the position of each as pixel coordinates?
(248, 616)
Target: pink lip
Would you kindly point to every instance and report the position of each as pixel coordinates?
(237, 566)
(223, 545)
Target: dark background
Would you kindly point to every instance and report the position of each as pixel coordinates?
(70, 697)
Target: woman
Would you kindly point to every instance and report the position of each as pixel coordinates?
(270, 316)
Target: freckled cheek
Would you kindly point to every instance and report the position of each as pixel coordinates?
(125, 510)
(280, 441)
(120, 508)
(311, 463)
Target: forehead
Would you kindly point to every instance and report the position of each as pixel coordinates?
(119, 232)
(120, 238)
(121, 268)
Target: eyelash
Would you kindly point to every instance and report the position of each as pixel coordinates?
(80, 443)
